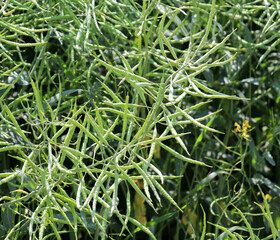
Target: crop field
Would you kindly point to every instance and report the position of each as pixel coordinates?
(153, 119)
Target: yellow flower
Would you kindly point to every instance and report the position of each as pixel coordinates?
(238, 127)
(245, 135)
(242, 131)
(268, 197)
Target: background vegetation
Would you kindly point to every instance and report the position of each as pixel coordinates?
(139, 119)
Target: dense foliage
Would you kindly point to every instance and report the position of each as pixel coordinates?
(139, 119)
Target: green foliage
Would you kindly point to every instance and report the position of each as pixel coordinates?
(99, 96)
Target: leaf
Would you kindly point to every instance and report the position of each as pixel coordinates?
(189, 219)
(257, 161)
(139, 205)
(269, 158)
(8, 215)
